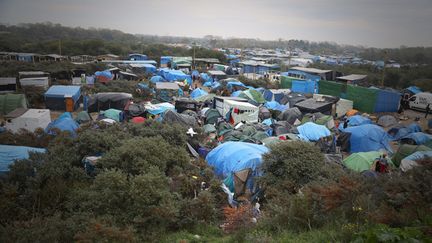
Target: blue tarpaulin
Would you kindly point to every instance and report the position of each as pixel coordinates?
(312, 132)
(196, 93)
(274, 105)
(358, 120)
(156, 109)
(156, 79)
(236, 93)
(107, 74)
(230, 85)
(9, 154)
(418, 137)
(397, 133)
(206, 78)
(304, 87)
(65, 122)
(414, 89)
(231, 157)
(368, 137)
(59, 91)
(174, 75)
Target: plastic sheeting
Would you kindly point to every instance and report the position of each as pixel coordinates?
(65, 122)
(231, 157)
(411, 161)
(368, 137)
(418, 137)
(174, 75)
(196, 93)
(312, 132)
(274, 105)
(156, 79)
(387, 121)
(235, 85)
(113, 114)
(9, 154)
(156, 109)
(358, 120)
(399, 132)
(304, 87)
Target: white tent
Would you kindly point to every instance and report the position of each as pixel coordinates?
(241, 111)
(27, 119)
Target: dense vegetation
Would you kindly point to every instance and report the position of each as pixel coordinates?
(146, 187)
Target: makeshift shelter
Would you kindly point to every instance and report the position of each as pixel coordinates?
(104, 76)
(57, 95)
(211, 116)
(172, 75)
(264, 113)
(275, 94)
(114, 114)
(387, 121)
(312, 106)
(127, 76)
(196, 93)
(358, 120)
(209, 128)
(291, 115)
(292, 99)
(105, 101)
(183, 104)
(236, 111)
(253, 96)
(157, 109)
(274, 105)
(27, 119)
(416, 138)
(138, 120)
(368, 137)
(10, 102)
(406, 150)
(362, 161)
(235, 85)
(157, 78)
(410, 161)
(83, 117)
(166, 91)
(9, 154)
(64, 123)
(233, 158)
(312, 132)
(398, 132)
(171, 117)
(7, 84)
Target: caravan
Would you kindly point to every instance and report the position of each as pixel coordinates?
(420, 101)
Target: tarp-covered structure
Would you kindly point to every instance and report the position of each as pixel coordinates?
(312, 132)
(55, 96)
(368, 137)
(171, 117)
(10, 102)
(64, 123)
(105, 101)
(405, 150)
(172, 75)
(411, 160)
(198, 92)
(9, 154)
(387, 121)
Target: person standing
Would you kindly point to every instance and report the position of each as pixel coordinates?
(427, 110)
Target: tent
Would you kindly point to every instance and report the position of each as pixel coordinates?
(9, 154)
(172, 75)
(65, 122)
(55, 97)
(368, 137)
(358, 120)
(264, 113)
(312, 132)
(406, 150)
(196, 93)
(312, 106)
(291, 115)
(416, 138)
(411, 160)
(211, 116)
(156, 79)
(157, 109)
(253, 96)
(83, 117)
(363, 160)
(236, 93)
(274, 105)
(275, 94)
(138, 120)
(230, 158)
(104, 76)
(398, 132)
(27, 119)
(171, 116)
(209, 128)
(235, 85)
(166, 91)
(114, 114)
(292, 99)
(10, 102)
(105, 101)
(387, 121)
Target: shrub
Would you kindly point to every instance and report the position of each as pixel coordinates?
(290, 165)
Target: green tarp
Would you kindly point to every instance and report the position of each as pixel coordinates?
(363, 161)
(286, 82)
(253, 95)
(112, 114)
(331, 88)
(9, 102)
(364, 98)
(406, 150)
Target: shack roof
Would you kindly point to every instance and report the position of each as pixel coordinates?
(311, 70)
(166, 85)
(216, 72)
(352, 77)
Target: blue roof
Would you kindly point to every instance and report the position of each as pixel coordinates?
(9, 154)
(59, 91)
(414, 89)
(231, 157)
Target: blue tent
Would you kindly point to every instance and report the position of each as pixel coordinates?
(358, 120)
(397, 133)
(149, 68)
(9, 154)
(418, 137)
(216, 85)
(55, 96)
(231, 157)
(65, 122)
(230, 85)
(107, 74)
(208, 84)
(274, 105)
(206, 77)
(312, 132)
(196, 93)
(166, 59)
(195, 74)
(156, 109)
(156, 79)
(368, 137)
(174, 75)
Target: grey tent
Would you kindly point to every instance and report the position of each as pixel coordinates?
(209, 128)
(83, 117)
(211, 116)
(387, 121)
(105, 101)
(171, 116)
(291, 115)
(264, 113)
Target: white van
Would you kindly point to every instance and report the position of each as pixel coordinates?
(419, 101)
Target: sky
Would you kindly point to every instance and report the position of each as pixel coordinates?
(371, 23)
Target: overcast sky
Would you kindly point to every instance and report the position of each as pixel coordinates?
(373, 23)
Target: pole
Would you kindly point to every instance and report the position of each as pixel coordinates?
(193, 60)
(60, 47)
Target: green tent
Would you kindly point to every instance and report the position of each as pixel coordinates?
(363, 161)
(9, 102)
(112, 114)
(83, 117)
(253, 95)
(209, 128)
(406, 150)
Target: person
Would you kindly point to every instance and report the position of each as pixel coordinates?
(427, 110)
(381, 165)
(345, 124)
(401, 105)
